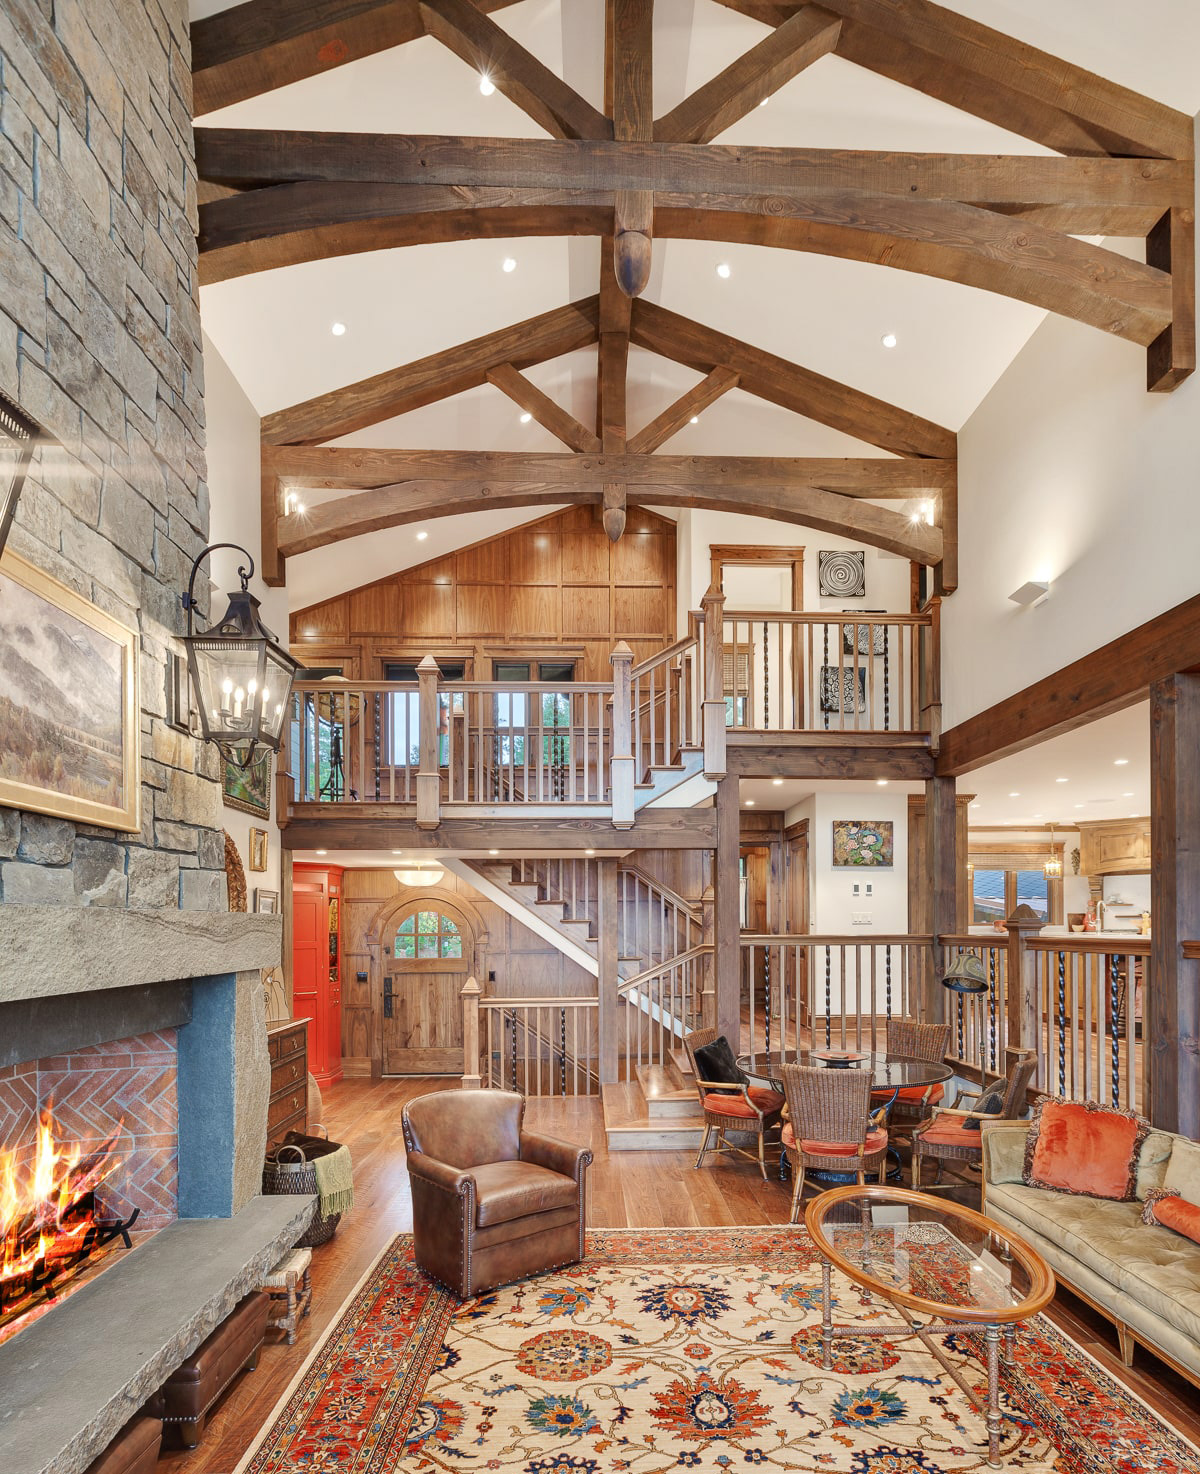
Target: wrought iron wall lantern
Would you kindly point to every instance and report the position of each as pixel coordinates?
(966, 975)
(241, 677)
(18, 437)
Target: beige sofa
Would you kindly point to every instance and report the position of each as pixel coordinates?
(1145, 1278)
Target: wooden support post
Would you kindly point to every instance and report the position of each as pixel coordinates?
(727, 949)
(1172, 1023)
(628, 52)
(607, 949)
(1171, 246)
(708, 986)
(940, 821)
(622, 776)
(713, 703)
(1024, 1010)
(470, 996)
(271, 564)
(429, 782)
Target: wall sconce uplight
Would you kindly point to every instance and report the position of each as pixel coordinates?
(1033, 592)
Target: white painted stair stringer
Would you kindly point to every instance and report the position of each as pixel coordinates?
(526, 915)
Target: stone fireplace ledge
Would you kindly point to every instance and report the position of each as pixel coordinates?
(75, 1377)
(48, 951)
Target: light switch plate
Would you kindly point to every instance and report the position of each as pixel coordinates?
(860, 918)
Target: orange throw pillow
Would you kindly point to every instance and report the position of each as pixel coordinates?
(1077, 1146)
(1168, 1208)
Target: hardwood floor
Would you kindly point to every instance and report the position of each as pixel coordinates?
(626, 1190)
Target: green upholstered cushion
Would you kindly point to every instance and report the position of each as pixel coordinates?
(1183, 1170)
(1152, 1162)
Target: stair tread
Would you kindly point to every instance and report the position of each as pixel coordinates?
(625, 1111)
(662, 1083)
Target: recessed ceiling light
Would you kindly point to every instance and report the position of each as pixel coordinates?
(777, 782)
(1128, 795)
(486, 85)
(1120, 762)
(1014, 795)
(510, 263)
(1062, 780)
(764, 102)
(526, 417)
(724, 271)
(422, 535)
(589, 852)
(695, 419)
(338, 329)
(493, 852)
(881, 782)
(1079, 806)
(397, 852)
(749, 803)
(322, 852)
(889, 340)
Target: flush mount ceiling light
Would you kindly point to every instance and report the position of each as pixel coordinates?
(241, 677)
(1032, 592)
(486, 85)
(509, 263)
(419, 873)
(889, 340)
(724, 271)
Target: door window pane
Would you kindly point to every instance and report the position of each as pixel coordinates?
(426, 936)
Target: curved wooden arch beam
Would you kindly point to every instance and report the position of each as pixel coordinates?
(414, 501)
(265, 229)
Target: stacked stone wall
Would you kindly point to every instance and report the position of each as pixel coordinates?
(100, 342)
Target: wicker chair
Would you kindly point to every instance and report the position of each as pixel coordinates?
(947, 1138)
(917, 1041)
(729, 1107)
(831, 1127)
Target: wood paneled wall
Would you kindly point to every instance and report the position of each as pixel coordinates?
(557, 584)
(525, 965)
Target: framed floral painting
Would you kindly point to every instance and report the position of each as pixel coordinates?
(249, 789)
(863, 842)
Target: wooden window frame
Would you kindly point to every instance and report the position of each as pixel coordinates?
(1027, 855)
(737, 555)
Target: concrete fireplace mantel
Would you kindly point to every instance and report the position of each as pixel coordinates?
(48, 951)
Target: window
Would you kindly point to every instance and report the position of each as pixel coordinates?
(996, 893)
(428, 936)
(513, 716)
(404, 716)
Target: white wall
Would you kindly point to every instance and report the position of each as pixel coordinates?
(1069, 470)
(233, 483)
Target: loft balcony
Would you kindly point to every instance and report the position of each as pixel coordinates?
(749, 693)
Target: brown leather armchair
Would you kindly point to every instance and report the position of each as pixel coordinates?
(491, 1203)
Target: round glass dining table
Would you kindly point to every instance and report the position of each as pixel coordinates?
(888, 1071)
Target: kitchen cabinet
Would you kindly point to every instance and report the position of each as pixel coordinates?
(1114, 847)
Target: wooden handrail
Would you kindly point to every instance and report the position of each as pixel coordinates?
(503, 1003)
(1135, 946)
(692, 908)
(812, 939)
(701, 949)
(688, 642)
(797, 616)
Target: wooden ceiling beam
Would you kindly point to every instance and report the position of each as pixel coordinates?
(465, 366)
(476, 39)
(697, 399)
(266, 229)
(1087, 188)
(795, 500)
(786, 384)
(996, 77)
(629, 63)
(560, 422)
(255, 47)
(746, 82)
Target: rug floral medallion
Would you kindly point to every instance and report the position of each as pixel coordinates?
(683, 1349)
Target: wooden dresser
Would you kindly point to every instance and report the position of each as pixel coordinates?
(287, 1110)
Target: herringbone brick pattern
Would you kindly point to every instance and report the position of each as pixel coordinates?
(130, 1086)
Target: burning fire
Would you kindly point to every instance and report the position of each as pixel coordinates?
(47, 1211)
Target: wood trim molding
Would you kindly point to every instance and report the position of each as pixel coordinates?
(725, 555)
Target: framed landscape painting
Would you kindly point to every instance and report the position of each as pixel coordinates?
(858, 842)
(249, 789)
(69, 724)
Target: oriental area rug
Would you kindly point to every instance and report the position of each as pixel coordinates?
(673, 1349)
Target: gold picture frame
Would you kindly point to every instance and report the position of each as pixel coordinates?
(258, 849)
(69, 709)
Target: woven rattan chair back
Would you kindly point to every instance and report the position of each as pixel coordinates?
(1018, 1087)
(699, 1039)
(918, 1041)
(827, 1105)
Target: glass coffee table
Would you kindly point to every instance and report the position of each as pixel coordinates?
(942, 1266)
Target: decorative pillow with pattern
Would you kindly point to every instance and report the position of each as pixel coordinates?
(1166, 1207)
(1077, 1146)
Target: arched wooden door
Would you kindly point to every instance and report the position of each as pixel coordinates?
(428, 953)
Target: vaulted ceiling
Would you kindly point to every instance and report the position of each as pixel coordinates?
(823, 75)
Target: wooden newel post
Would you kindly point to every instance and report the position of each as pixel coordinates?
(470, 996)
(621, 771)
(429, 782)
(713, 705)
(1024, 1009)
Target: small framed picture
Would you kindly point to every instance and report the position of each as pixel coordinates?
(258, 849)
(266, 902)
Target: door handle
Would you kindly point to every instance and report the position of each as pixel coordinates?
(387, 997)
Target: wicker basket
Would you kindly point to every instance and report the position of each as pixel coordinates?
(295, 1173)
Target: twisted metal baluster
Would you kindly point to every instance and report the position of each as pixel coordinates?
(961, 1038)
(992, 1006)
(887, 690)
(1113, 1005)
(376, 703)
(513, 1019)
(825, 680)
(888, 978)
(562, 1052)
(828, 1001)
(1062, 1023)
(767, 992)
(766, 676)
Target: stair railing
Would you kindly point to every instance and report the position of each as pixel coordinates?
(655, 922)
(541, 1046)
(665, 696)
(663, 1003)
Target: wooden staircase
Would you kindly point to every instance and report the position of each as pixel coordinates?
(657, 1110)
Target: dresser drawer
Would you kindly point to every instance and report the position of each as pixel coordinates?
(288, 1072)
(283, 1109)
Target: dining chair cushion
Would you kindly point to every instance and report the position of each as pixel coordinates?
(946, 1132)
(914, 1094)
(876, 1142)
(717, 1065)
(726, 1103)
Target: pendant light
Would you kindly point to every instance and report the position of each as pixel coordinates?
(1053, 866)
